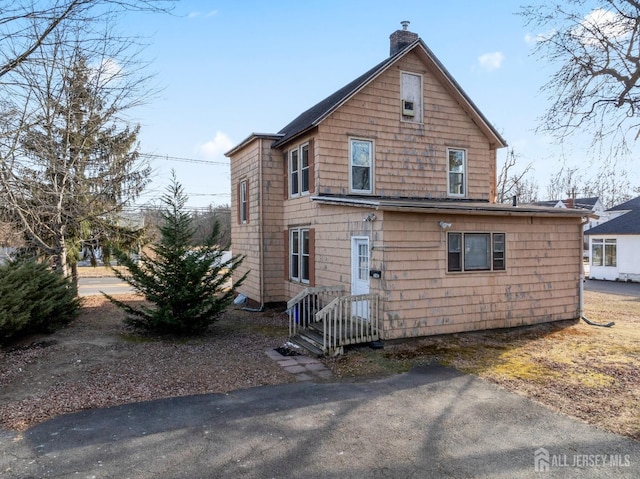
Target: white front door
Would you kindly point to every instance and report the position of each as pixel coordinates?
(360, 274)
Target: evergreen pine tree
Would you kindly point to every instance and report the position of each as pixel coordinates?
(34, 299)
(185, 286)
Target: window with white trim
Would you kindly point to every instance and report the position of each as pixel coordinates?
(299, 255)
(299, 170)
(244, 205)
(361, 166)
(476, 252)
(456, 166)
(604, 252)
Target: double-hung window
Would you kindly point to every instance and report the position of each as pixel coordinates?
(456, 164)
(243, 202)
(361, 166)
(476, 252)
(299, 170)
(300, 255)
(604, 252)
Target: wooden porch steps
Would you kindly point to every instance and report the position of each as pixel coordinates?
(310, 339)
(323, 323)
(312, 348)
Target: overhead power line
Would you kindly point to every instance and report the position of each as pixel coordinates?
(185, 160)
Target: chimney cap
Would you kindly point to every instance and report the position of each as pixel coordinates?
(400, 39)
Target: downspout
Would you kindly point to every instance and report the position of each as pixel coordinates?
(260, 236)
(582, 280)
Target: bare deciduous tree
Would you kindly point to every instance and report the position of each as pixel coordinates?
(68, 154)
(567, 183)
(511, 183)
(27, 25)
(596, 46)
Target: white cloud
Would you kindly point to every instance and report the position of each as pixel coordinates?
(540, 37)
(208, 14)
(491, 61)
(215, 149)
(602, 23)
(107, 71)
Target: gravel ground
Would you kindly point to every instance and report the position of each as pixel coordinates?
(98, 362)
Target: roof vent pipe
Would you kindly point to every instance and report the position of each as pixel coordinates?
(400, 39)
(514, 198)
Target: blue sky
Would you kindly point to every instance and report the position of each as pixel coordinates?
(230, 68)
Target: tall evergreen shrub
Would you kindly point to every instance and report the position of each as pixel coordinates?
(185, 286)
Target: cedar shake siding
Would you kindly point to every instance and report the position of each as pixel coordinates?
(516, 265)
(540, 282)
(259, 238)
(410, 159)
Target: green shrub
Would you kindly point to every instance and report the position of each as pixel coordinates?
(186, 287)
(34, 299)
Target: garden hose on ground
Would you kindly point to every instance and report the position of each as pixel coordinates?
(591, 323)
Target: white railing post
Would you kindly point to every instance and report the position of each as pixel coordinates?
(346, 319)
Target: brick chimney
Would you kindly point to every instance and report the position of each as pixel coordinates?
(401, 38)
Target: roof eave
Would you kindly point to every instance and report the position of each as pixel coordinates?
(468, 104)
(452, 208)
(383, 67)
(251, 138)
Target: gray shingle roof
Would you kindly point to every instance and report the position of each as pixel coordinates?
(309, 118)
(586, 203)
(633, 204)
(626, 224)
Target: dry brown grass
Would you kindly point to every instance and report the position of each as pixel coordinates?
(587, 372)
(98, 362)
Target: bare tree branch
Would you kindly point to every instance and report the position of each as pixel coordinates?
(68, 155)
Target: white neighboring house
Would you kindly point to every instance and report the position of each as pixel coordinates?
(592, 204)
(615, 244)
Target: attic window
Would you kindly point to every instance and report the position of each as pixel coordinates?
(407, 108)
(411, 96)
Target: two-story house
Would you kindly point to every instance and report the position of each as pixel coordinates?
(383, 195)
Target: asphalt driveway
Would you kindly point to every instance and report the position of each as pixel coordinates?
(429, 423)
(613, 287)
